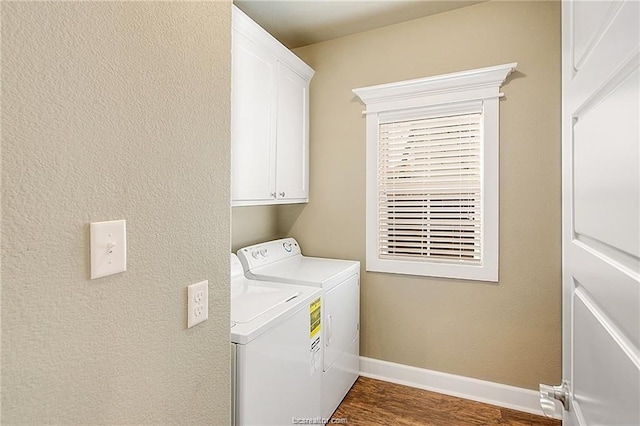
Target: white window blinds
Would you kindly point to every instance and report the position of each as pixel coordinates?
(429, 189)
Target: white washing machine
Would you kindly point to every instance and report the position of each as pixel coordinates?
(282, 261)
(276, 351)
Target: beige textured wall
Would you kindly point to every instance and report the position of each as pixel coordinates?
(507, 333)
(252, 225)
(114, 110)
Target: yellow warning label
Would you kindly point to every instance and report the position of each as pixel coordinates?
(315, 317)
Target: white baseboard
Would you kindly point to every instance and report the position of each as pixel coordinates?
(520, 399)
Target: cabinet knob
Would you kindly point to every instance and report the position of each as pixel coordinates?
(273, 195)
(282, 194)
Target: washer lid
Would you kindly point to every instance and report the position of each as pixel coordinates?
(257, 307)
(310, 271)
(250, 301)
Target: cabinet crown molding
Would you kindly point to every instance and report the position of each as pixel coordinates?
(249, 28)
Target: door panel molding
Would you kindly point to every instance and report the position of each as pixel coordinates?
(593, 40)
(629, 348)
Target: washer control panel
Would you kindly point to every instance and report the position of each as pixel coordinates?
(269, 252)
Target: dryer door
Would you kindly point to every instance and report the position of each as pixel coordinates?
(341, 317)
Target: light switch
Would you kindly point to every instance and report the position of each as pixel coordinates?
(108, 248)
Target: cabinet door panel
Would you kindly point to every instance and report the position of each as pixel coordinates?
(252, 130)
(292, 158)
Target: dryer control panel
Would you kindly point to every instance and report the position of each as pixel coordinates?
(268, 252)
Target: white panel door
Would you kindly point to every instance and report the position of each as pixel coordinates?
(252, 130)
(292, 177)
(601, 211)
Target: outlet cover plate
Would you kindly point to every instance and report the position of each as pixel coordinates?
(198, 303)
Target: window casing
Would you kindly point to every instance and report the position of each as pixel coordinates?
(432, 175)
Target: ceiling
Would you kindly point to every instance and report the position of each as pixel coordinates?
(298, 23)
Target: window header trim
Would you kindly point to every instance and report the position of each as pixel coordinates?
(481, 83)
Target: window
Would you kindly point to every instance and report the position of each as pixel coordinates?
(432, 175)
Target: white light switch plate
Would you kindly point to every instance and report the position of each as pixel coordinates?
(108, 248)
(198, 303)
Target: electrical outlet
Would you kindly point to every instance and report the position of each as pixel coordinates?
(198, 303)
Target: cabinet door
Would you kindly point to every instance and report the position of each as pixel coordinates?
(292, 152)
(252, 119)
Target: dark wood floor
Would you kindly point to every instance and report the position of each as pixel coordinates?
(374, 402)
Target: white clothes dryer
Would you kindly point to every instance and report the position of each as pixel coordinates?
(275, 350)
(282, 261)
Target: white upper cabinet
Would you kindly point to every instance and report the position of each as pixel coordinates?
(269, 119)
